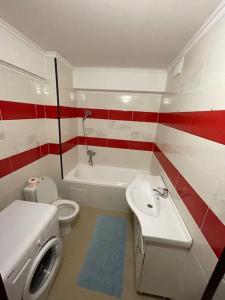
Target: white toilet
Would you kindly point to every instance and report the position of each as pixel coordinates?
(46, 192)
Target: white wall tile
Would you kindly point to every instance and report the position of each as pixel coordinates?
(20, 87)
(51, 130)
(22, 135)
(119, 101)
(65, 79)
(114, 129)
(68, 129)
(124, 158)
(70, 160)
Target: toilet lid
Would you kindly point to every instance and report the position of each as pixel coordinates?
(46, 190)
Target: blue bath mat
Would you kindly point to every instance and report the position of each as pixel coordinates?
(104, 263)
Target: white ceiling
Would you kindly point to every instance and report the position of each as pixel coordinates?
(110, 33)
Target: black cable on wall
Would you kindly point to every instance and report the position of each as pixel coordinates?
(58, 110)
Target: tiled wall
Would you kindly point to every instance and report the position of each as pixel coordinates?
(121, 123)
(27, 132)
(68, 114)
(121, 128)
(190, 154)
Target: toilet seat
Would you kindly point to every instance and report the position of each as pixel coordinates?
(67, 209)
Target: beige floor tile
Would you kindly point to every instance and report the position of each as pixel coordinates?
(75, 248)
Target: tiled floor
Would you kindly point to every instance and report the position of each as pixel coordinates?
(75, 247)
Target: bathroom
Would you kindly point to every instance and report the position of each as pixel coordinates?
(112, 157)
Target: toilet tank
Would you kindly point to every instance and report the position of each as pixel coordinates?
(30, 193)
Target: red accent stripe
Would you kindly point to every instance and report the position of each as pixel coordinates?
(17, 161)
(54, 148)
(5, 167)
(100, 142)
(209, 125)
(15, 110)
(169, 168)
(114, 143)
(138, 116)
(95, 113)
(40, 109)
(212, 228)
(214, 232)
(25, 158)
(206, 124)
(137, 145)
(66, 146)
(51, 112)
(120, 115)
(68, 112)
(44, 150)
(181, 121)
(194, 203)
(93, 141)
(142, 116)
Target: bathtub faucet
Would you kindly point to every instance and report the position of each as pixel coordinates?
(163, 192)
(90, 153)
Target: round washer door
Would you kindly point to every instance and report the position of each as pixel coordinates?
(43, 270)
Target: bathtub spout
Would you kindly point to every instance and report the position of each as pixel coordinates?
(90, 153)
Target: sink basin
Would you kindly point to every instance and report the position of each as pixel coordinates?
(144, 200)
(158, 217)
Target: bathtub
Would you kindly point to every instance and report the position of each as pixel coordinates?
(100, 186)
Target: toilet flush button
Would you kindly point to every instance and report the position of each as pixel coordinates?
(40, 242)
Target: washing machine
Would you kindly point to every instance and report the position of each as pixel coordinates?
(30, 249)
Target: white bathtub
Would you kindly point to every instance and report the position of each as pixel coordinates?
(100, 186)
(103, 175)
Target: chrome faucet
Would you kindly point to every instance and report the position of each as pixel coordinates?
(90, 153)
(163, 192)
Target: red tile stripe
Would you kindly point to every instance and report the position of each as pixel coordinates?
(15, 110)
(139, 116)
(115, 143)
(210, 225)
(206, 124)
(20, 160)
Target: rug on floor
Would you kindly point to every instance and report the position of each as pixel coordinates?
(103, 267)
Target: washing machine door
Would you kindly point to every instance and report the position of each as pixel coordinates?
(43, 270)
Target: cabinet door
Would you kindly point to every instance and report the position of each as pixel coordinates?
(139, 257)
(137, 230)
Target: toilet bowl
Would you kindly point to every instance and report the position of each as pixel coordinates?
(46, 192)
(67, 212)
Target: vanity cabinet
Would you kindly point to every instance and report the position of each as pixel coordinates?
(159, 268)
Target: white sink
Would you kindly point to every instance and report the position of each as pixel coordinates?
(159, 219)
(144, 200)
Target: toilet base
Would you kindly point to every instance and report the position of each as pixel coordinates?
(65, 229)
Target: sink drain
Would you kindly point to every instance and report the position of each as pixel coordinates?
(149, 206)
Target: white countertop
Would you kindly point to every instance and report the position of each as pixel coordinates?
(166, 227)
